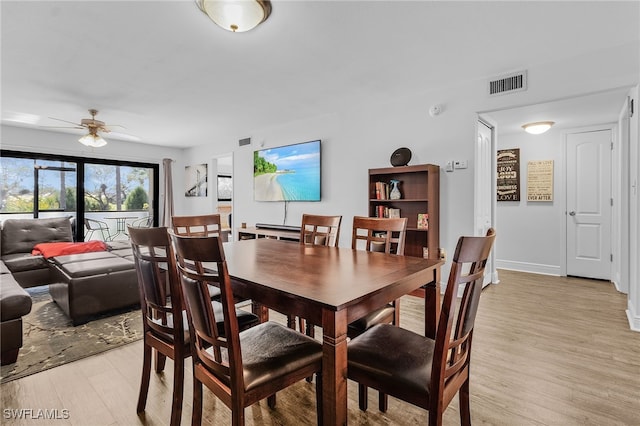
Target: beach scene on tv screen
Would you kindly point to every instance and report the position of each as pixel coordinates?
(287, 173)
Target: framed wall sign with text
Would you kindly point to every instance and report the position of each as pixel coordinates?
(508, 175)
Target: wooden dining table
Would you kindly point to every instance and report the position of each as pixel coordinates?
(331, 287)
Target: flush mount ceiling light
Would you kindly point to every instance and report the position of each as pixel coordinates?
(236, 15)
(538, 127)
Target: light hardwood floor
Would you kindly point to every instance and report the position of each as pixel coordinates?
(547, 351)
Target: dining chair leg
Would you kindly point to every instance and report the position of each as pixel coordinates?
(178, 391)
(161, 360)
(144, 382)
(237, 413)
(362, 397)
(382, 402)
(271, 401)
(291, 321)
(465, 411)
(196, 413)
(310, 331)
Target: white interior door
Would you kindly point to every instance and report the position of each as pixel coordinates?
(485, 191)
(588, 212)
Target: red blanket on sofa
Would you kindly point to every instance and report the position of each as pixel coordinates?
(59, 249)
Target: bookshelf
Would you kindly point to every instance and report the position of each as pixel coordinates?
(420, 194)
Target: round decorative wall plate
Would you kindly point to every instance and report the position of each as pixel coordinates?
(400, 157)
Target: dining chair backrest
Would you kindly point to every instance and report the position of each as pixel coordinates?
(207, 225)
(201, 262)
(160, 294)
(379, 234)
(453, 336)
(320, 230)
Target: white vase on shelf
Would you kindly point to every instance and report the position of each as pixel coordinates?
(395, 192)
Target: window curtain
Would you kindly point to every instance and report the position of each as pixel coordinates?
(167, 208)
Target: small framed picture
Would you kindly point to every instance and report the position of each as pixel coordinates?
(423, 221)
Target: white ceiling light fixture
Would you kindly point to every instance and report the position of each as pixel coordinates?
(236, 15)
(538, 127)
(92, 139)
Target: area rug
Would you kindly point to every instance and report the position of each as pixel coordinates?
(50, 340)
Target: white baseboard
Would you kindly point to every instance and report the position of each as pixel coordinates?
(633, 317)
(534, 268)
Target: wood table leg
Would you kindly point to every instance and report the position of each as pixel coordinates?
(261, 311)
(334, 367)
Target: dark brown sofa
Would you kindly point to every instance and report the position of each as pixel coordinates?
(83, 285)
(18, 238)
(15, 303)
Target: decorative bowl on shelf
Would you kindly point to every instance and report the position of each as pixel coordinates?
(400, 157)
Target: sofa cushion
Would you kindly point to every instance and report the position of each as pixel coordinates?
(15, 302)
(20, 262)
(80, 257)
(91, 267)
(3, 268)
(20, 235)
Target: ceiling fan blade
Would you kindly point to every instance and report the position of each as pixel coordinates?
(65, 121)
(61, 127)
(110, 126)
(124, 136)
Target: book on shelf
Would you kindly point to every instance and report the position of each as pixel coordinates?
(386, 212)
(423, 221)
(382, 191)
(394, 213)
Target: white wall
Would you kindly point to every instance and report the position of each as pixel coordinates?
(358, 137)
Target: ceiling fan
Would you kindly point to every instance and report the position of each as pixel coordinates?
(94, 128)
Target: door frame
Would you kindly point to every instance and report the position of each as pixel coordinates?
(612, 127)
(493, 126)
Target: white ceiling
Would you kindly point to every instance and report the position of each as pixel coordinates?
(169, 75)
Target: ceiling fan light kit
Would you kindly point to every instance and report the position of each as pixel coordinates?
(236, 15)
(92, 140)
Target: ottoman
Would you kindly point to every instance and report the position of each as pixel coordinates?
(88, 284)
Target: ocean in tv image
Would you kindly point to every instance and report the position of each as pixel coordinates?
(288, 173)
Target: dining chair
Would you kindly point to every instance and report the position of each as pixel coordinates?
(94, 225)
(207, 225)
(422, 371)
(385, 235)
(316, 230)
(164, 321)
(240, 368)
(320, 230)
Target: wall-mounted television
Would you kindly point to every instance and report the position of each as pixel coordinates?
(287, 173)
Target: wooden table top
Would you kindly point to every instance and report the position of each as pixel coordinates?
(333, 277)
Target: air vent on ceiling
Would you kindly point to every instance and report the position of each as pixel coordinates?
(514, 82)
(245, 141)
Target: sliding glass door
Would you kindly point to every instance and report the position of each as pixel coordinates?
(116, 193)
